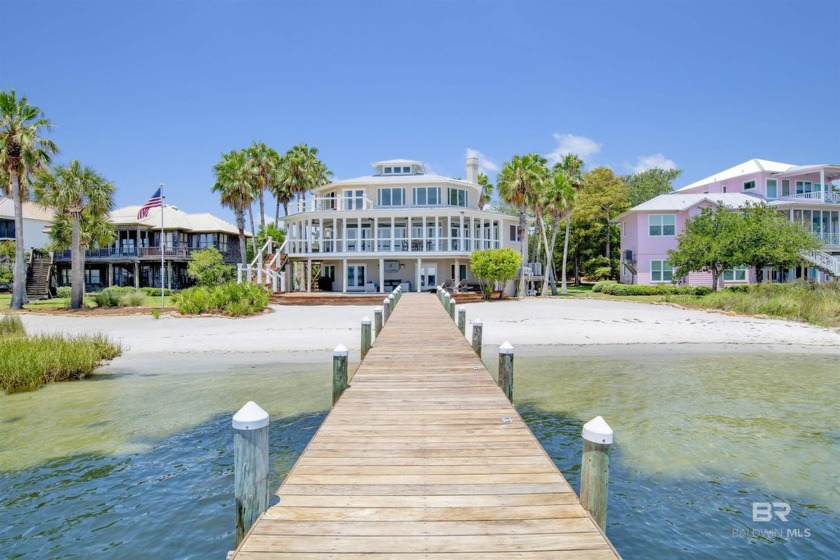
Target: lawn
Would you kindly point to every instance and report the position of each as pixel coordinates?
(62, 303)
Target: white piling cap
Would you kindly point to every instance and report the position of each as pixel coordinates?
(477, 322)
(250, 417)
(366, 320)
(598, 431)
(340, 350)
(506, 348)
(386, 300)
(452, 299)
(377, 309)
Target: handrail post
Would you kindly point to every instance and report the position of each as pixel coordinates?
(365, 336)
(477, 328)
(250, 466)
(339, 372)
(377, 321)
(462, 320)
(595, 469)
(506, 369)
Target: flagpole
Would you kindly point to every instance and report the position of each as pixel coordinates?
(162, 205)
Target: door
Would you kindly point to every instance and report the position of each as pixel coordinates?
(355, 277)
(428, 276)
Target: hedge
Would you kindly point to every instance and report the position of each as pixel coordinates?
(615, 289)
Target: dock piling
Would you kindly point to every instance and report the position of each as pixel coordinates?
(477, 328)
(377, 320)
(595, 469)
(506, 369)
(386, 310)
(452, 307)
(339, 372)
(365, 336)
(462, 320)
(250, 466)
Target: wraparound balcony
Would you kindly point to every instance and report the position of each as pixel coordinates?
(389, 246)
(133, 253)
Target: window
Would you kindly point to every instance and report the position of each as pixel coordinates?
(391, 196)
(406, 170)
(724, 189)
(64, 277)
(749, 185)
(737, 274)
(661, 271)
(771, 188)
(426, 196)
(457, 197)
(803, 187)
(514, 233)
(388, 170)
(662, 225)
(92, 276)
(7, 229)
(462, 272)
(223, 242)
(354, 199)
(785, 187)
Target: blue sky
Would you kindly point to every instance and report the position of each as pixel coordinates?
(149, 92)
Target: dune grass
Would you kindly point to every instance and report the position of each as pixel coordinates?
(29, 362)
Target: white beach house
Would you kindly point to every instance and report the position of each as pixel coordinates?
(400, 226)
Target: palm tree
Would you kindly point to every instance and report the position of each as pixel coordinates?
(557, 196)
(22, 152)
(486, 191)
(282, 194)
(520, 181)
(573, 167)
(301, 171)
(264, 163)
(235, 191)
(82, 200)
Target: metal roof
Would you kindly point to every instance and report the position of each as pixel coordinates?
(173, 218)
(746, 168)
(676, 202)
(31, 210)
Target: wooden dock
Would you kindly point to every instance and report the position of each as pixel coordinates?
(424, 457)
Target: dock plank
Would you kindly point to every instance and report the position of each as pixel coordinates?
(424, 457)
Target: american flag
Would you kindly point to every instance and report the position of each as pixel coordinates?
(155, 202)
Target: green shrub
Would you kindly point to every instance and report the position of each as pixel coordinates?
(63, 292)
(599, 286)
(207, 268)
(155, 292)
(231, 299)
(27, 363)
(135, 298)
(11, 325)
(616, 289)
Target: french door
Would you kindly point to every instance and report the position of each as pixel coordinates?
(356, 275)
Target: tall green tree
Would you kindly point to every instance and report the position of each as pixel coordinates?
(301, 171)
(603, 197)
(520, 182)
(265, 164)
(82, 199)
(558, 197)
(486, 191)
(709, 243)
(767, 239)
(572, 165)
(233, 185)
(23, 151)
(649, 184)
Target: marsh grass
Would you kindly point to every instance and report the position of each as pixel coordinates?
(232, 299)
(28, 362)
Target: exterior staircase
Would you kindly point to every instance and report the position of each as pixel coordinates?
(266, 269)
(823, 261)
(38, 275)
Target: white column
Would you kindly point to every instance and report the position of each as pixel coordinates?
(408, 230)
(344, 237)
(381, 276)
(417, 275)
(461, 239)
(344, 276)
(376, 235)
(308, 273)
(358, 235)
(822, 183)
(481, 234)
(393, 233)
(425, 237)
(437, 234)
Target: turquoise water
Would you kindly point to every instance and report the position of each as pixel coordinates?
(137, 462)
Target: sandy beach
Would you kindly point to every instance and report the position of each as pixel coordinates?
(532, 322)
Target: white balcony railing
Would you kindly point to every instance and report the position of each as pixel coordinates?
(370, 246)
(828, 238)
(347, 203)
(816, 196)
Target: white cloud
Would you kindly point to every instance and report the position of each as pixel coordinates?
(485, 164)
(583, 146)
(649, 162)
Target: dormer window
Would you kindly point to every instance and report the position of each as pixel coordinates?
(396, 170)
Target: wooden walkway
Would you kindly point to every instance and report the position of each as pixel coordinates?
(416, 461)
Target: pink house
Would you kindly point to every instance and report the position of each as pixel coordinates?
(807, 194)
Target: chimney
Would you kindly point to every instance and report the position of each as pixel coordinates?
(472, 169)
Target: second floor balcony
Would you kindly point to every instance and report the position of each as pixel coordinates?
(139, 253)
(355, 245)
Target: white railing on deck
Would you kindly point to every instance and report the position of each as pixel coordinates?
(355, 245)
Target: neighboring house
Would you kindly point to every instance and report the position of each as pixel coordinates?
(807, 195)
(36, 220)
(400, 226)
(134, 257)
